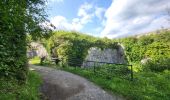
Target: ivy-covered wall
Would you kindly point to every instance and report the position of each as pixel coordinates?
(73, 46)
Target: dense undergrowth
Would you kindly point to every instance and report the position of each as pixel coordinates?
(12, 89)
(155, 47)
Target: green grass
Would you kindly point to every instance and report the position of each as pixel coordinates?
(35, 60)
(13, 90)
(145, 86)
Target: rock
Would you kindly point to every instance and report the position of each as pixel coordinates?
(37, 49)
(107, 55)
(145, 60)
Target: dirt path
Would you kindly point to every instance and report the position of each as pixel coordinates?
(61, 85)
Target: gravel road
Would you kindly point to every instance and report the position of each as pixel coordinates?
(61, 85)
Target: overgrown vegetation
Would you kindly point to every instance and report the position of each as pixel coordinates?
(156, 47)
(73, 45)
(37, 61)
(15, 90)
(19, 18)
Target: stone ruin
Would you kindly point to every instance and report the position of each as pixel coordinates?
(37, 49)
(107, 55)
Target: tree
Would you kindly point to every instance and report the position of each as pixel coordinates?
(17, 19)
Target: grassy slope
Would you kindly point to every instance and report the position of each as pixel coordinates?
(12, 90)
(146, 85)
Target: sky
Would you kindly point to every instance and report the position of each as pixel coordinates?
(109, 18)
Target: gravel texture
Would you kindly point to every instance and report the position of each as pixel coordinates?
(61, 85)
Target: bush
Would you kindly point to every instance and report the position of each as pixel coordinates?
(12, 89)
(19, 18)
(110, 71)
(153, 46)
(158, 65)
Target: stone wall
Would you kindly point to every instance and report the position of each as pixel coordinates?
(106, 55)
(37, 49)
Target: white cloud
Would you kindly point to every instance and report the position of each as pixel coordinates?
(47, 25)
(61, 23)
(59, 20)
(76, 24)
(84, 8)
(88, 11)
(85, 14)
(99, 12)
(127, 17)
(98, 29)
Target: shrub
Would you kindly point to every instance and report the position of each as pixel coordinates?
(157, 65)
(18, 18)
(113, 70)
(153, 46)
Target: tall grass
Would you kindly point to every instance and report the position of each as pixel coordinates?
(13, 90)
(145, 86)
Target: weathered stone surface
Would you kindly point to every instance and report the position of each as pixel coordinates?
(37, 49)
(106, 55)
(145, 61)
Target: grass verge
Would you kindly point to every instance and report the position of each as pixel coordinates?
(13, 90)
(36, 61)
(145, 86)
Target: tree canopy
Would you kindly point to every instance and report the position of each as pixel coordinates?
(17, 19)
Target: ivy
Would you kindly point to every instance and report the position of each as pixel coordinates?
(17, 19)
(73, 46)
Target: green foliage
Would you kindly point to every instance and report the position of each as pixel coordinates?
(18, 18)
(73, 45)
(110, 71)
(153, 46)
(13, 90)
(35, 61)
(157, 66)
